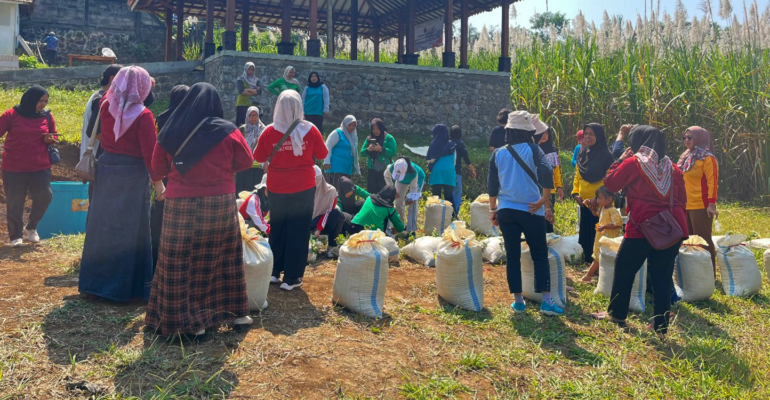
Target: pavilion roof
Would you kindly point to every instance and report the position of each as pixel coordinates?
(268, 12)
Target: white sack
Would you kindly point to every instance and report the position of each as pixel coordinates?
(459, 268)
(557, 269)
(362, 274)
(391, 245)
(480, 222)
(693, 272)
(257, 266)
(766, 261)
(760, 244)
(608, 249)
(494, 250)
(569, 248)
(438, 215)
(423, 250)
(738, 267)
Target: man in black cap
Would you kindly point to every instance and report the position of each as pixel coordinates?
(51, 48)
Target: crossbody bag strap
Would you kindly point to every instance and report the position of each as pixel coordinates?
(283, 140)
(524, 165)
(190, 136)
(92, 139)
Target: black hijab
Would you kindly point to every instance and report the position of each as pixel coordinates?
(201, 102)
(594, 161)
(648, 136)
(178, 93)
(385, 197)
(27, 107)
(549, 146)
(516, 136)
(440, 146)
(311, 84)
(347, 186)
(149, 100)
(380, 139)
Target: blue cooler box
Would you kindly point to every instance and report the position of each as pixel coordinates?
(68, 210)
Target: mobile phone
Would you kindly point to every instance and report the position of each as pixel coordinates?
(372, 141)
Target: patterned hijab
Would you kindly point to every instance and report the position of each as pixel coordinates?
(703, 147)
(649, 146)
(252, 131)
(126, 96)
(251, 80)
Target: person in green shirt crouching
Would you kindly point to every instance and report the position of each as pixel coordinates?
(376, 212)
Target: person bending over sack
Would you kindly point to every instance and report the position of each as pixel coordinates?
(256, 207)
(377, 211)
(327, 219)
(348, 197)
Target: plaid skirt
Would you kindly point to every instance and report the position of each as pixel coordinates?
(199, 280)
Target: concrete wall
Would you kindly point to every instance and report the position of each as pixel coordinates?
(166, 75)
(409, 99)
(86, 26)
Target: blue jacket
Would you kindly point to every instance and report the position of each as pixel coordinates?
(509, 182)
(51, 43)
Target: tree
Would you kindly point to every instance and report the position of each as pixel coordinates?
(542, 22)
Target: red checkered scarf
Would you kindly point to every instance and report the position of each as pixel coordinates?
(658, 172)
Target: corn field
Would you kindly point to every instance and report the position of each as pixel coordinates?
(670, 71)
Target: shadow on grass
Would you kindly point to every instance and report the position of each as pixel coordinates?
(16, 254)
(288, 312)
(551, 333)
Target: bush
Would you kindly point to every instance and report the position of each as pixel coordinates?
(30, 62)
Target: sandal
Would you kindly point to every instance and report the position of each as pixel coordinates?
(605, 316)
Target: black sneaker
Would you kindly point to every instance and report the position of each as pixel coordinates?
(291, 284)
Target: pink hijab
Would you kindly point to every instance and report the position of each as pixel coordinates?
(129, 89)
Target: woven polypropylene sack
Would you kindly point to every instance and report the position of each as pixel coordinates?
(570, 249)
(493, 250)
(766, 261)
(362, 274)
(311, 254)
(438, 215)
(257, 266)
(738, 267)
(693, 272)
(558, 272)
(391, 245)
(423, 250)
(459, 268)
(480, 222)
(608, 249)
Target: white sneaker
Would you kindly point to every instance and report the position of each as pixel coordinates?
(31, 236)
(16, 243)
(275, 280)
(244, 321)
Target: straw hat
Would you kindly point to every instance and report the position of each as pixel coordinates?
(520, 120)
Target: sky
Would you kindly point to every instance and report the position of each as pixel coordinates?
(594, 9)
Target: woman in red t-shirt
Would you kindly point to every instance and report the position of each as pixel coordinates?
(26, 164)
(649, 179)
(290, 186)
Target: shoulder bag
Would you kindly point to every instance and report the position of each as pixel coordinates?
(53, 152)
(86, 168)
(280, 143)
(661, 231)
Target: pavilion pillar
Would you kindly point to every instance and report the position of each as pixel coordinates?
(285, 46)
(464, 15)
(354, 30)
(449, 54)
(314, 44)
(329, 30)
(179, 30)
(401, 34)
(504, 65)
(169, 34)
(209, 47)
(410, 58)
(245, 25)
(229, 37)
(376, 40)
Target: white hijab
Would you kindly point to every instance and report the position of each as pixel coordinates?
(286, 75)
(288, 108)
(353, 140)
(251, 80)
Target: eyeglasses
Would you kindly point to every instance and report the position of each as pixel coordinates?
(686, 138)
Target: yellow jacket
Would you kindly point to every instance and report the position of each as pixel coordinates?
(702, 183)
(586, 190)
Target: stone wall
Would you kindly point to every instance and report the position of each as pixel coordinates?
(409, 99)
(86, 26)
(166, 74)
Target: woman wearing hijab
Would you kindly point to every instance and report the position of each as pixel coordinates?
(379, 149)
(544, 138)
(288, 82)
(701, 178)
(255, 207)
(649, 179)
(349, 193)
(594, 159)
(342, 160)
(117, 254)
(26, 166)
(327, 219)
(441, 163)
(377, 212)
(315, 100)
(519, 204)
(408, 179)
(290, 185)
(245, 181)
(248, 85)
(199, 282)
(178, 93)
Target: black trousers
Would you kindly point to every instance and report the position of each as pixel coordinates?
(16, 185)
(660, 267)
(587, 235)
(512, 224)
(317, 120)
(548, 225)
(448, 192)
(51, 56)
(240, 115)
(333, 227)
(375, 181)
(290, 215)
